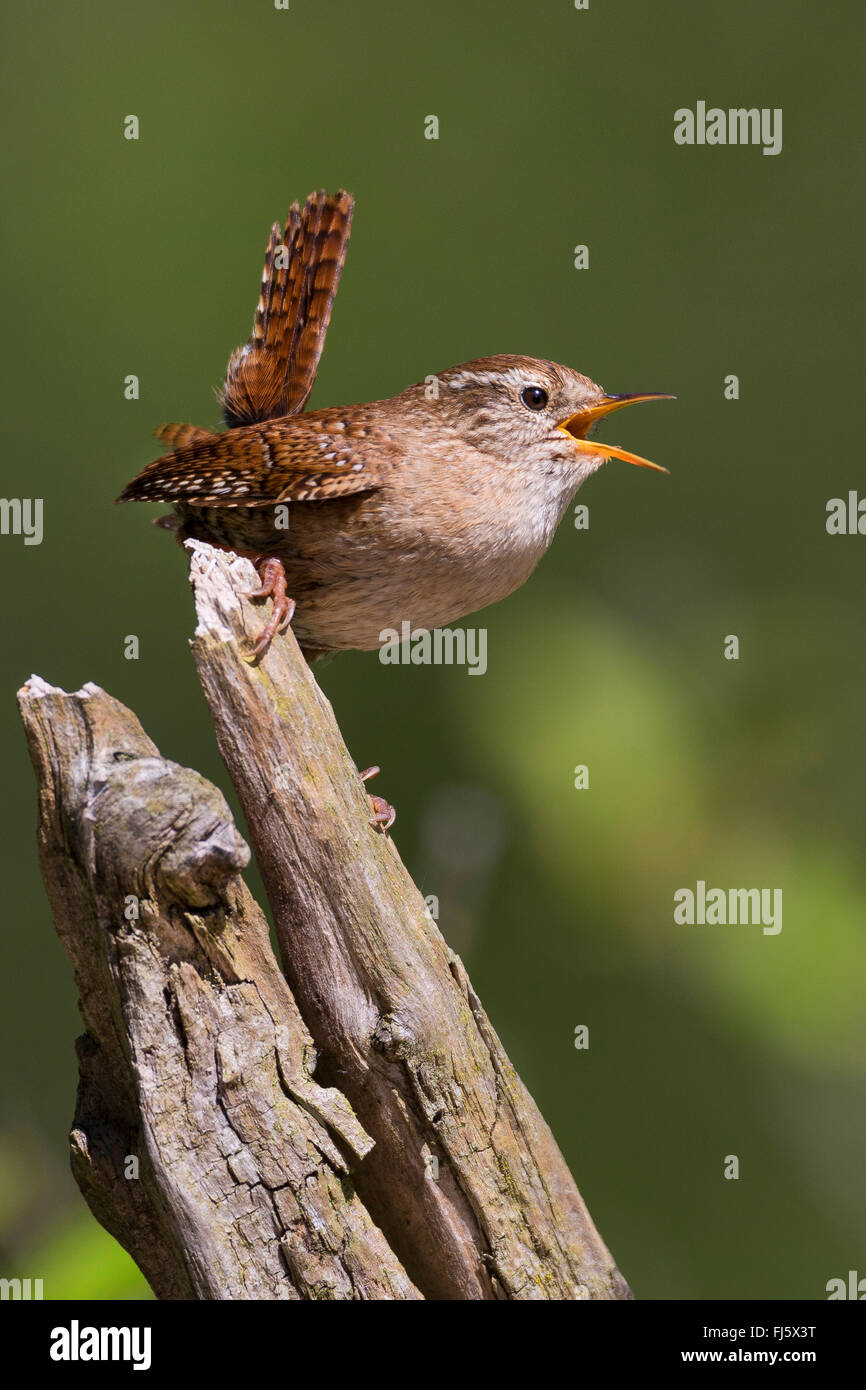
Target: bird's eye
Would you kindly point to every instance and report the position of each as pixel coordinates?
(534, 397)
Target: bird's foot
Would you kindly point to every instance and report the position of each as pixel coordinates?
(273, 586)
(384, 815)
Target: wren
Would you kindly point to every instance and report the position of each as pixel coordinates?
(421, 508)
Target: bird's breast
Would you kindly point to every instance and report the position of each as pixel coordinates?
(437, 540)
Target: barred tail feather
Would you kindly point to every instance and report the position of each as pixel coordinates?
(180, 435)
(273, 373)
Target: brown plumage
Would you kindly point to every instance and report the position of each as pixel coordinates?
(273, 374)
(179, 436)
(420, 508)
(301, 458)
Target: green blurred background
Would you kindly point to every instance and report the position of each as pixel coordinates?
(556, 128)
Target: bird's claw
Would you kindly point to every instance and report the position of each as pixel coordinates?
(384, 815)
(273, 586)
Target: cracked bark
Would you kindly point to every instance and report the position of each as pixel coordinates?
(393, 1014)
(200, 1139)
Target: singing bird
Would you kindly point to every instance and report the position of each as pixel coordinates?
(420, 508)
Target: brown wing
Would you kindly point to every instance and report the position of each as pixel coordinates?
(273, 374)
(308, 458)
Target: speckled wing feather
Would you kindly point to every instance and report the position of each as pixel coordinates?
(273, 373)
(307, 458)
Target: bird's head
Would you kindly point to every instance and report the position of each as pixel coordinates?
(529, 413)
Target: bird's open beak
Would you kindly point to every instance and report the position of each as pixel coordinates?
(579, 425)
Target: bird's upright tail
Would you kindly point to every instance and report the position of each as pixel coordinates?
(273, 373)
